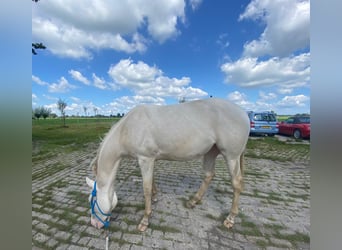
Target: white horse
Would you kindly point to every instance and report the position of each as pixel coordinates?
(174, 132)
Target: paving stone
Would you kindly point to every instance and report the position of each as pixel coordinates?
(97, 243)
(51, 243)
(63, 235)
(75, 238)
(93, 231)
(138, 247)
(268, 200)
(40, 237)
(275, 248)
(84, 241)
(281, 242)
(132, 238)
(75, 247)
(62, 247)
(124, 247)
(42, 226)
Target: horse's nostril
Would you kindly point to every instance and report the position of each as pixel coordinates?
(97, 224)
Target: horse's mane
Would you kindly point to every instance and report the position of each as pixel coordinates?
(93, 164)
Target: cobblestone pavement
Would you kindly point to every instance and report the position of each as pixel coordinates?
(274, 206)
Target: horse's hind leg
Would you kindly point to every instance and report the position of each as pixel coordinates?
(235, 168)
(209, 168)
(146, 165)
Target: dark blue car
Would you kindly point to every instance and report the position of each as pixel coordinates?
(263, 123)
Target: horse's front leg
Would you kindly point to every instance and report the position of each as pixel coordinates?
(154, 191)
(146, 165)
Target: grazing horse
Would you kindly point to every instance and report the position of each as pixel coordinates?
(173, 132)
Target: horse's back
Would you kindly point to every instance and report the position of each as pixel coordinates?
(186, 130)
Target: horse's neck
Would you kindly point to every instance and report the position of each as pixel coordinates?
(109, 157)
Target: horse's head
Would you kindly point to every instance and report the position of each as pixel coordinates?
(102, 203)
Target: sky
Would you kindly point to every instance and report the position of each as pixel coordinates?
(107, 56)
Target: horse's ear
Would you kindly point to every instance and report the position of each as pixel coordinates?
(90, 182)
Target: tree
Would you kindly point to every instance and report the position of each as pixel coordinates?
(36, 113)
(37, 45)
(85, 110)
(95, 111)
(45, 112)
(41, 112)
(61, 107)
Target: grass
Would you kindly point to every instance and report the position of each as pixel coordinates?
(49, 135)
(282, 117)
(165, 229)
(273, 149)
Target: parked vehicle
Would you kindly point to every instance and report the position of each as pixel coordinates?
(263, 123)
(296, 126)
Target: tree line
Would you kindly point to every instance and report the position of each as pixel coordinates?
(43, 112)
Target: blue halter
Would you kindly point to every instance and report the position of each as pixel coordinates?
(93, 203)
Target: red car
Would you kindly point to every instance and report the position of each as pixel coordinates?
(296, 126)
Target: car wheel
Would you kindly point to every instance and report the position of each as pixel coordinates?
(297, 134)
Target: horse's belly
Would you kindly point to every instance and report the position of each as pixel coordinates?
(187, 149)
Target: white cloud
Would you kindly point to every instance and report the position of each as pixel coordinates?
(125, 103)
(34, 99)
(270, 101)
(222, 41)
(287, 73)
(267, 96)
(241, 100)
(75, 99)
(145, 80)
(79, 77)
(136, 75)
(287, 27)
(99, 82)
(37, 80)
(61, 86)
(195, 4)
(50, 98)
(294, 101)
(74, 28)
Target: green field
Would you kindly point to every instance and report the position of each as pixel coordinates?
(50, 137)
(50, 134)
(282, 117)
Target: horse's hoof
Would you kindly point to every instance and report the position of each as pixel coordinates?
(228, 224)
(142, 227)
(190, 204)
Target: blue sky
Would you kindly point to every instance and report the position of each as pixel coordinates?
(112, 55)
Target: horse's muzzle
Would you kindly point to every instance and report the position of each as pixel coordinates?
(96, 223)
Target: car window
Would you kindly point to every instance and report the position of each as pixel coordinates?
(257, 117)
(290, 120)
(304, 120)
(265, 117)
